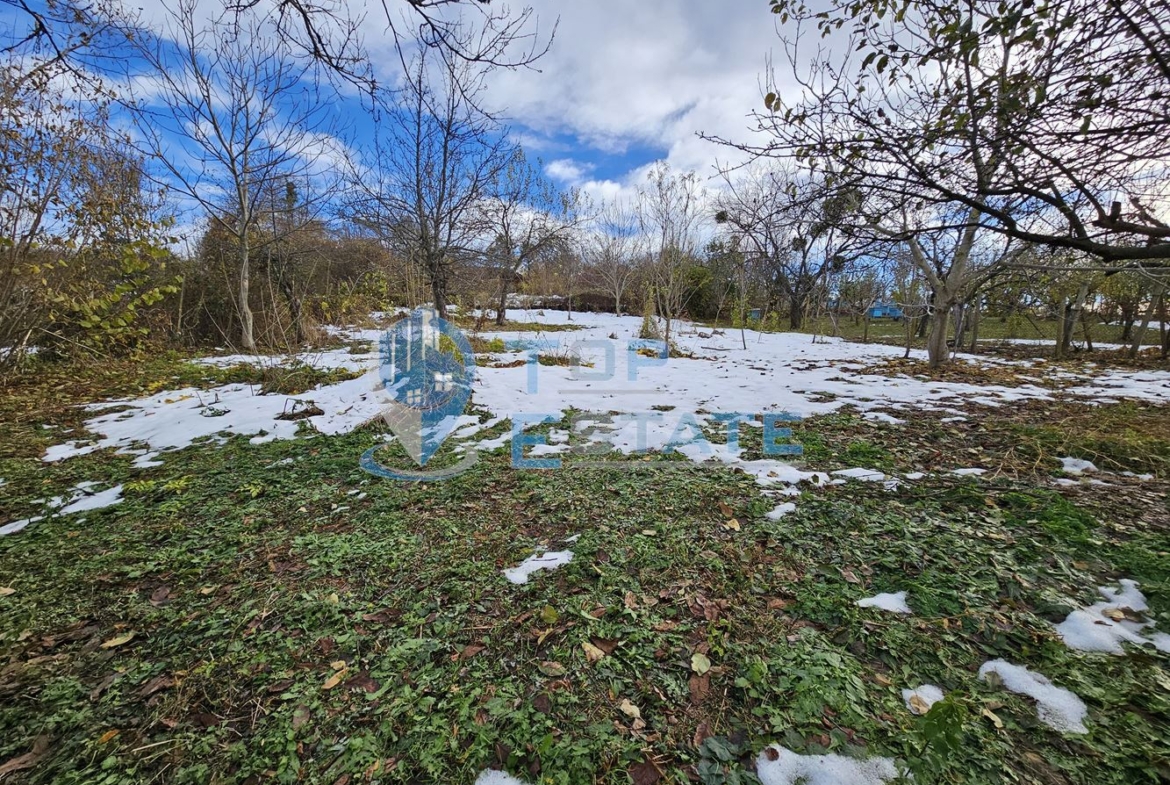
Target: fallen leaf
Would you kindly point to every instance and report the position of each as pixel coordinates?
(991, 715)
(918, 705)
(607, 645)
(631, 602)
(108, 736)
(629, 709)
(333, 680)
(549, 615)
(6, 591)
(645, 773)
(725, 509)
(699, 687)
(554, 670)
(338, 665)
(208, 590)
(733, 525)
(160, 596)
(849, 577)
(119, 640)
(156, 684)
(470, 651)
(29, 759)
(700, 663)
(592, 653)
(882, 680)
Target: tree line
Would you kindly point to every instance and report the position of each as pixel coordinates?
(195, 185)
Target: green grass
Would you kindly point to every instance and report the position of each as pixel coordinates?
(296, 620)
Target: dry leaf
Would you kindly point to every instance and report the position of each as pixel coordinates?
(849, 577)
(991, 715)
(6, 591)
(554, 670)
(470, 651)
(882, 680)
(107, 736)
(118, 641)
(918, 705)
(629, 709)
(725, 509)
(333, 680)
(592, 653)
(733, 524)
(700, 663)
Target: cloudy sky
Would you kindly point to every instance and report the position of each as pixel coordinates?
(629, 83)
(626, 82)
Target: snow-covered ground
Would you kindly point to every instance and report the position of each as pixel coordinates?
(776, 372)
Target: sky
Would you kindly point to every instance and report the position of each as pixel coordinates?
(624, 84)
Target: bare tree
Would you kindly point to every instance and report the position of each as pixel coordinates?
(669, 210)
(228, 114)
(432, 165)
(792, 225)
(528, 216)
(613, 249)
(1044, 121)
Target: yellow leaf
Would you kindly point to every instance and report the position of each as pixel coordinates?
(991, 715)
(918, 705)
(700, 663)
(108, 735)
(592, 653)
(333, 680)
(338, 665)
(118, 641)
(733, 524)
(629, 709)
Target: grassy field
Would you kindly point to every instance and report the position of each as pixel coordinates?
(270, 613)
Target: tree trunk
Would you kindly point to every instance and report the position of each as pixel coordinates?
(976, 315)
(247, 336)
(439, 289)
(936, 342)
(1136, 346)
(1072, 310)
(795, 310)
(502, 305)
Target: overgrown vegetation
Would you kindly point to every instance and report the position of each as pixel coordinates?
(255, 612)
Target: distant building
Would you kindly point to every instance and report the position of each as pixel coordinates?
(885, 311)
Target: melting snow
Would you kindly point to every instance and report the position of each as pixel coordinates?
(1077, 466)
(865, 475)
(1056, 707)
(927, 693)
(538, 561)
(95, 501)
(1104, 626)
(791, 769)
(781, 510)
(972, 472)
(494, 777)
(894, 603)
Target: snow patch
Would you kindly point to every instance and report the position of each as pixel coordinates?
(538, 561)
(95, 501)
(791, 769)
(927, 693)
(894, 603)
(1058, 708)
(972, 472)
(781, 510)
(495, 777)
(1077, 466)
(1104, 626)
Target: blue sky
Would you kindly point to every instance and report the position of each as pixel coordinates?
(624, 85)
